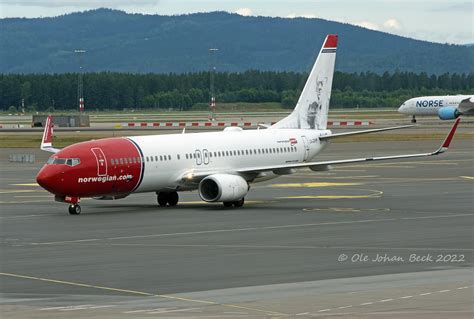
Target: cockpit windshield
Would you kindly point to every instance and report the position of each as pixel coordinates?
(64, 161)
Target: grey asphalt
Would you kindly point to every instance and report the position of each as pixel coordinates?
(305, 245)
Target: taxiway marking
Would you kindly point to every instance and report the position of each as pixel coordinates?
(374, 194)
(255, 228)
(312, 185)
(141, 293)
(368, 303)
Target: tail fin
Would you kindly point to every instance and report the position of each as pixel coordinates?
(311, 111)
(47, 141)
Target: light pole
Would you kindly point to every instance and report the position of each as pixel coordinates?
(212, 71)
(80, 88)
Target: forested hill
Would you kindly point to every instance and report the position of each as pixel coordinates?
(117, 41)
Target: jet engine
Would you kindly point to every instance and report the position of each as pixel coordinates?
(448, 113)
(223, 188)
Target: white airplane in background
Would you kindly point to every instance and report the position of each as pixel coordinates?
(220, 165)
(448, 107)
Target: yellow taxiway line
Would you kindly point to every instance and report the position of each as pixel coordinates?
(141, 293)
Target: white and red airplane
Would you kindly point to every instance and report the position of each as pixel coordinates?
(220, 165)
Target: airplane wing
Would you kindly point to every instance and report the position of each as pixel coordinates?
(330, 136)
(47, 141)
(196, 176)
(466, 106)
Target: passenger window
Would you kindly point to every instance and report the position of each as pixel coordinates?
(125, 161)
(121, 161)
(161, 157)
(177, 156)
(169, 157)
(112, 161)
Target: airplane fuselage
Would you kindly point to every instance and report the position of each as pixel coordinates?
(430, 105)
(120, 166)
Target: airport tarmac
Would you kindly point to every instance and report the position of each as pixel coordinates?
(381, 240)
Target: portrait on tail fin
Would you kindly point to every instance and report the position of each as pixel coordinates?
(315, 108)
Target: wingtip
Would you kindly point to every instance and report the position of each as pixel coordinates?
(450, 136)
(447, 141)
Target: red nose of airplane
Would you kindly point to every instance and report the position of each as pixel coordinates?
(46, 178)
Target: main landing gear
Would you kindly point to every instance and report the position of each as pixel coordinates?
(238, 203)
(74, 209)
(413, 119)
(167, 198)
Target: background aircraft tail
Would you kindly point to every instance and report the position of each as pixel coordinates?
(311, 111)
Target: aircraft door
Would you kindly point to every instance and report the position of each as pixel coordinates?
(101, 161)
(205, 156)
(306, 148)
(198, 156)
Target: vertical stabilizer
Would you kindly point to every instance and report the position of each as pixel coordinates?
(47, 141)
(311, 111)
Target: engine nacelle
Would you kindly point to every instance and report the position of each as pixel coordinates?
(223, 188)
(448, 113)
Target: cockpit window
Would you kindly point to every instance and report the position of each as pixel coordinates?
(64, 161)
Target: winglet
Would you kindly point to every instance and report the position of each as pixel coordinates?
(47, 141)
(449, 138)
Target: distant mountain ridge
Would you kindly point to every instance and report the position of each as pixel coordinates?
(117, 41)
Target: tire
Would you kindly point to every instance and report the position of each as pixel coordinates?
(162, 199)
(173, 198)
(239, 203)
(227, 204)
(74, 209)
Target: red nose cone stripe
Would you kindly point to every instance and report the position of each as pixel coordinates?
(142, 168)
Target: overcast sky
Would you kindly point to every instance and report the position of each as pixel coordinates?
(442, 21)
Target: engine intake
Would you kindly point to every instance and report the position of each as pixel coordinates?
(223, 188)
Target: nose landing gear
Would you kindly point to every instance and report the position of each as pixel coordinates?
(74, 209)
(167, 198)
(413, 119)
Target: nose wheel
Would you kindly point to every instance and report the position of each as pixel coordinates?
(413, 119)
(74, 209)
(167, 198)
